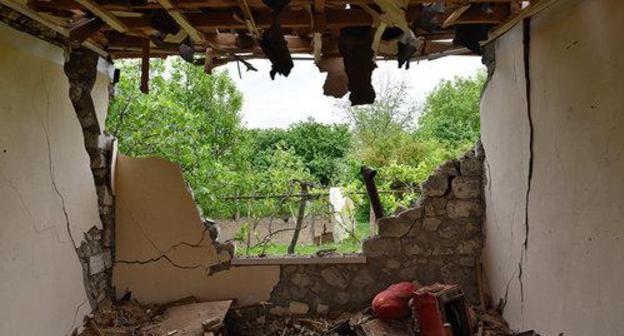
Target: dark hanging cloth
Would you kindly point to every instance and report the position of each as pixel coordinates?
(470, 35)
(355, 48)
(274, 44)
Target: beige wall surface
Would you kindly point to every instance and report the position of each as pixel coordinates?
(44, 176)
(574, 260)
(505, 137)
(163, 252)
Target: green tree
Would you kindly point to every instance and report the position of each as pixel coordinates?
(320, 146)
(451, 113)
(189, 118)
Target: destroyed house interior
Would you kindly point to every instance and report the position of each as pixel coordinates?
(520, 235)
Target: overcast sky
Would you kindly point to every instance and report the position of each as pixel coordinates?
(284, 101)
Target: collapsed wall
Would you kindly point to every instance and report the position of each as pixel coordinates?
(163, 253)
(438, 240)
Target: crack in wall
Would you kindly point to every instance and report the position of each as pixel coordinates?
(168, 259)
(199, 244)
(56, 189)
(527, 46)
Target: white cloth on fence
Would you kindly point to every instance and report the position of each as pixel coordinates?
(344, 214)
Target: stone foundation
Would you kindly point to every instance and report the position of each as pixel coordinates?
(439, 240)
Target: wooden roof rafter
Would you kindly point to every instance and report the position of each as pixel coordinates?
(310, 20)
(105, 15)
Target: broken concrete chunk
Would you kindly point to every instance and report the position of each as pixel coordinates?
(355, 48)
(466, 187)
(298, 308)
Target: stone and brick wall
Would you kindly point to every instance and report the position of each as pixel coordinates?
(438, 240)
(96, 249)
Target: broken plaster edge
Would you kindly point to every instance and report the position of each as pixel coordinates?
(351, 259)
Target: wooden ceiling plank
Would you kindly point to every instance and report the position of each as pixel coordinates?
(249, 19)
(105, 15)
(85, 29)
(476, 15)
(45, 5)
(182, 21)
(450, 20)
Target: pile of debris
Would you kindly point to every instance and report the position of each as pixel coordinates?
(185, 317)
(404, 309)
(246, 321)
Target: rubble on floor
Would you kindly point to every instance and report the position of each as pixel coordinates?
(265, 321)
(185, 317)
(270, 320)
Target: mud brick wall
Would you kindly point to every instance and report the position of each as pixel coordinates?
(438, 240)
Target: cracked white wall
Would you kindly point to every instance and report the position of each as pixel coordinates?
(163, 252)
(44, 174)
(573, 262)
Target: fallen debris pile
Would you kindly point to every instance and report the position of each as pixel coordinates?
(185, 317)
(249, 322)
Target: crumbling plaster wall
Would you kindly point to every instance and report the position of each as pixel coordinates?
(555, 253)
(47, 195)
(163, 251)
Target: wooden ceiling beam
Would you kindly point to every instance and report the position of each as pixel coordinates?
(85, 28)
(45, 5)
(476, 15)
(106, 16)
(182, 21)
(289, 19)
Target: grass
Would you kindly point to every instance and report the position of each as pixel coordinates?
(348, 245)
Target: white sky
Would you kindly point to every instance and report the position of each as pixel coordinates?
(284, 101)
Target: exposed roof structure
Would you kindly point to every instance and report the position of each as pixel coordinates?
(213, 32)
